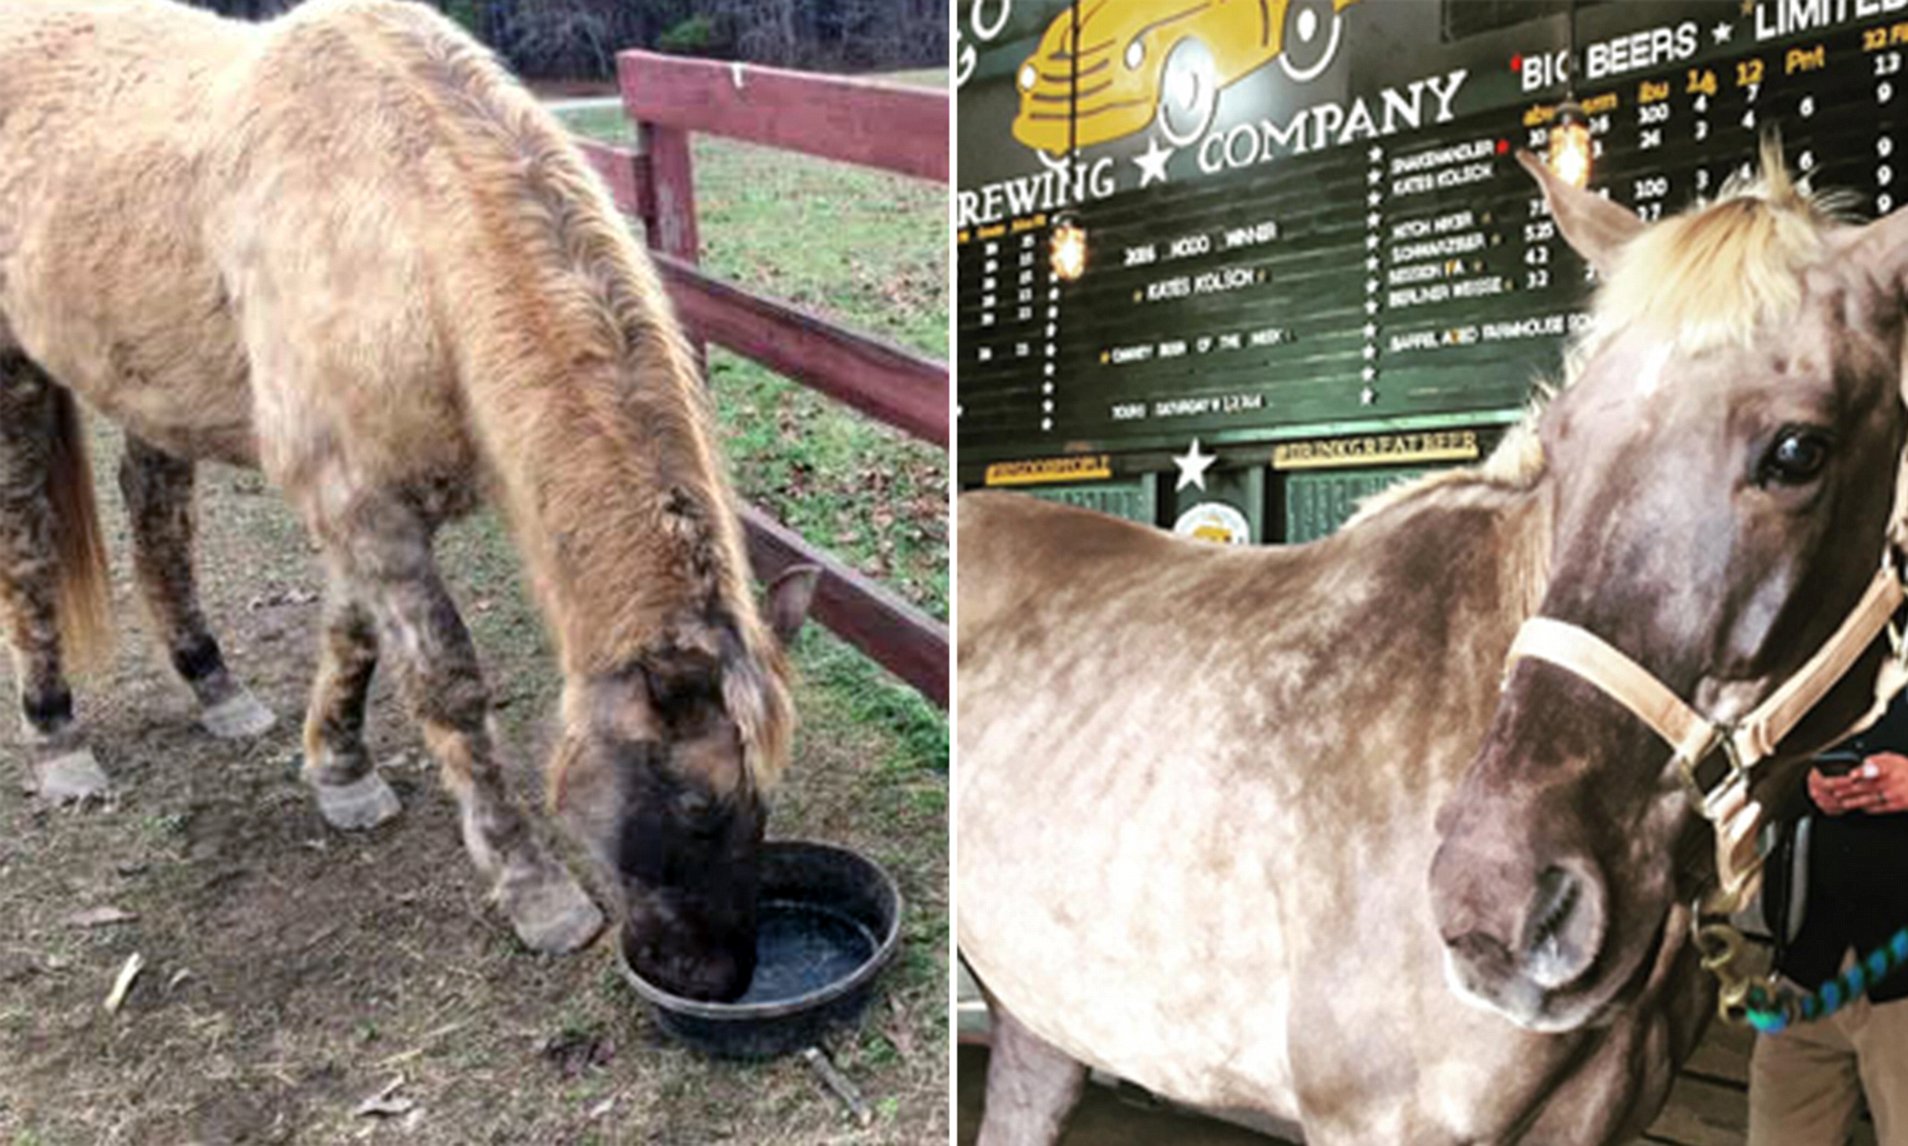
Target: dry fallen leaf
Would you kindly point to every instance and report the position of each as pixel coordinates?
(100, 917)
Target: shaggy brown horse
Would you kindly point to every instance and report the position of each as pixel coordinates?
(345, 247)
(1202, 790)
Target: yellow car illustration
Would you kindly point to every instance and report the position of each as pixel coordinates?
(1164, 59)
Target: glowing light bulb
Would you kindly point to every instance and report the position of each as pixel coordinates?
(1068, 250)
(1570, 146)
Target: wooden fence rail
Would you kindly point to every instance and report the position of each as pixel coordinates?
(894, 128)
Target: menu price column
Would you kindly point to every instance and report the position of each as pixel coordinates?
(1880, 44)
(1014, 306)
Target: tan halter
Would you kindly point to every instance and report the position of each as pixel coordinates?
(1716, 759)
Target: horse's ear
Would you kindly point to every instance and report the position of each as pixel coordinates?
(1594, 227)
(1881, 249)
(787, 599)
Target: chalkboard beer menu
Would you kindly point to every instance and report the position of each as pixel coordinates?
(1338, 237)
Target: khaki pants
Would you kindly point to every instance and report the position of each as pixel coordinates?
(1806, 1085)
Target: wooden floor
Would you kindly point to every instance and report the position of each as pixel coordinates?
(1709, 1105)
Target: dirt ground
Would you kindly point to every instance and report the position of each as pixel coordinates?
(291, 972)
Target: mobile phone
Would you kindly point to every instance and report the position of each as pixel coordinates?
(1839, 763)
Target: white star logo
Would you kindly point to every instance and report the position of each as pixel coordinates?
(1152, 165)
(1722, 31)
(1192, 467)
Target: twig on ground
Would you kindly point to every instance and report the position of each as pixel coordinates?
(423, 1044)
(121, 985)
(844, 1088)
(385, 1103)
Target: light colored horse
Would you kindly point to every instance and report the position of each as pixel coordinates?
(1273, 832)
(345, 247)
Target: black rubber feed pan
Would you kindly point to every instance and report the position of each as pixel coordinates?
(827, 923)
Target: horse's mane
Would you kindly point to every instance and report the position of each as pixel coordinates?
(1707, 277)
(1710, 276)
(629, 377)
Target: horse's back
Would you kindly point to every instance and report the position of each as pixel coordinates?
(75, 70)
(227, 231)
(88, 34)
(103, 126)
(1013, 545)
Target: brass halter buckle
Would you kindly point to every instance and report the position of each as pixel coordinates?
(1716, 771)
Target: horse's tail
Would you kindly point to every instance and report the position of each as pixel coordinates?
(85, 585)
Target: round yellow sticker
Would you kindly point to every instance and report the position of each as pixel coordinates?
(1214, 521)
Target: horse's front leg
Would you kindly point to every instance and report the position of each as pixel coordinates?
(158, 489)
(1031, 1086)
(30, 572)
(385, 554)
(351, 794)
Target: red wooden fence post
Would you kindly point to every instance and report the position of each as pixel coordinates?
(673, 231)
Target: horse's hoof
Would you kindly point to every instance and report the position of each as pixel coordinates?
(549, 909)
(363, 803)
(70, 777)
(237, 717)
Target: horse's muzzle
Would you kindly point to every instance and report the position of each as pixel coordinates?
(710, 975)
(1513, 943)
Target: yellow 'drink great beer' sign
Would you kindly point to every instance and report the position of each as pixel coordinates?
(1043, 471)
(1377, 450)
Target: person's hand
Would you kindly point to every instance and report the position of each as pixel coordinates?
(1826, 791)
(1877, 786)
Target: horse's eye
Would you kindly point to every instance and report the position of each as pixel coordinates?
(1797, 456)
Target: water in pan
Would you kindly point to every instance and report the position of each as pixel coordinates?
(800, 947)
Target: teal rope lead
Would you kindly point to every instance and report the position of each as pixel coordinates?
(1773, 1013)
